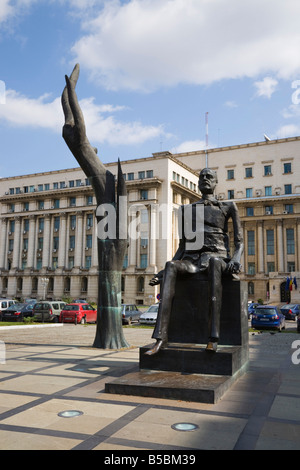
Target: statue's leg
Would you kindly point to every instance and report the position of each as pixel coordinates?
(215, 270)
(160, 333)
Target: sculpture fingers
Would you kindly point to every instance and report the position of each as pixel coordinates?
(69, 118)
(76, 110)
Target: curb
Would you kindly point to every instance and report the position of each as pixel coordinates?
(29, 326)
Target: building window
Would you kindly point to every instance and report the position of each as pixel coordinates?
(290, 241)
(62, 184)
(11, 208)
(144, 194)
(267, 170)
(89, 200)
(141, 175)
(251, 288)
(47, 186)
(41, 224)
(287, 189)
(248, 172)
(54, 263)
(270, 242)
(268, 190)
(130, 176)
(287, 168)
(251, 269)
(71, 262)
(55, 185)
(230, 174)
(149, 173)
(87, 182)
(40, 187)
(230, 194)
(71, 184)
(55, 243)
(11, 190)
(89, 241)
(143, 261)
(251, 242)
(78, 183)
(26, 225)
(269, 210)
(289, 208)
(40, 243)
(25, 244)
(88, 262)
(72, 201)
(39, 264)
(73, 222)
(41, 205)
(18, 190)
(89, 220)
(270, 267)
(26, 206)
(72, 242)
(140, 284)
(12, 226)
(11, 244)
(56, 204)
(290, 266)
(249, 192)
(125, 262)
(249, 211)
(56, 223)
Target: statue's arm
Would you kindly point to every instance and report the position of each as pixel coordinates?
(74, 134)
(234, 264)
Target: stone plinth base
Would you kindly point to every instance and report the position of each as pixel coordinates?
(199, 388)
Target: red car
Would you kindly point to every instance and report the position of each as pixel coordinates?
(78, 313)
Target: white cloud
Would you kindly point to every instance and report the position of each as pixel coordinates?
(10, 8)
(288, 130)
(230, 104)
(146, 44)
(266, 87)
(102, 126)
(189, 146)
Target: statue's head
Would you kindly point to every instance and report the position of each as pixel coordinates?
(207, 181)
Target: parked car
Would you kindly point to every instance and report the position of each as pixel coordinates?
(251, 308)
(78, 313)
(4, 304)
(17, 312)
(130, 313)
(48, 310)
(290, 311)
(149, 317)
(267, 316)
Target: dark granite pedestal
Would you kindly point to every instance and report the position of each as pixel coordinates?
(184, 370)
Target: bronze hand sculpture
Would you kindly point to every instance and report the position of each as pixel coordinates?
(111, 252)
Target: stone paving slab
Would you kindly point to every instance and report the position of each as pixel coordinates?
(49, 370)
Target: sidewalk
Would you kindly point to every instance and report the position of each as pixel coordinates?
(51, 370)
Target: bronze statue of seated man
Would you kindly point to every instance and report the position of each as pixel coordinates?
(212, 258)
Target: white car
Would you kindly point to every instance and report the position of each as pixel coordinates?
(149, 317)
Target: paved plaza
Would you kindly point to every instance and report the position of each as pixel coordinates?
(53, 369)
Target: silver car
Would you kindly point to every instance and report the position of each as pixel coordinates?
(130, 313)
(149, 317)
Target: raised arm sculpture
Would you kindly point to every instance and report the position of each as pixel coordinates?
(109, 333)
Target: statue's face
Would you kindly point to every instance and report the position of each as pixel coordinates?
(207, 181)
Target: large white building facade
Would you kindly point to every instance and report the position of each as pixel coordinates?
(48, 228)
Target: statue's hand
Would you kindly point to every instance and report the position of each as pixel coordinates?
(156, 279)
(233, 266)
(74, 132)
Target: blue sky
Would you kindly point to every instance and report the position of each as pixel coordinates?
(150, 70)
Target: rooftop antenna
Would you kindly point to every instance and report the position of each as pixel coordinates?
(206, 142)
